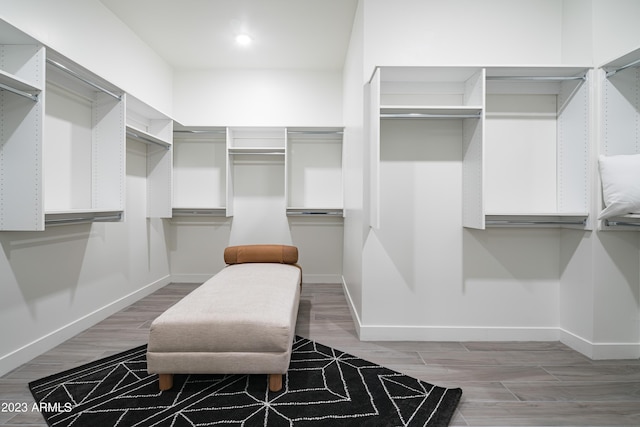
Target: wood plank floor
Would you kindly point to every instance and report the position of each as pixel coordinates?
(504, 384)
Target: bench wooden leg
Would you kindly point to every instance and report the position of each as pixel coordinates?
(165, 381)
(275, 382)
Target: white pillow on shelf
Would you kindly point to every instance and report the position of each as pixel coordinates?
(620, 176)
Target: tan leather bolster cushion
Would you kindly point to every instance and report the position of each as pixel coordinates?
(282, 254)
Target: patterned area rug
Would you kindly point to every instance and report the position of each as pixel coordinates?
(324, 387)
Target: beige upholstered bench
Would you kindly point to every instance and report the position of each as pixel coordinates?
(241, 321)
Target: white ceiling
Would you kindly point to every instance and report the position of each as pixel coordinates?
(199, 34)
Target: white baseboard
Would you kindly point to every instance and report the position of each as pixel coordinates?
(600, 351)
(321, 278)
(455, 333)
(595, 351)
(24, 354)
(354, 313)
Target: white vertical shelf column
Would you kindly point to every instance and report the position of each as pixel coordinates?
(150, 126)
(22, 77)
(473, 155)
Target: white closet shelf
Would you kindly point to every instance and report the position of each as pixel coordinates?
(414, 111)
(629, 60)
(82, 216)
(257, 150)
(146, 137)
(17, 83)
(539, 220)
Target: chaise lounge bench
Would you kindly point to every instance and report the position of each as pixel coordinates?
(241, 321)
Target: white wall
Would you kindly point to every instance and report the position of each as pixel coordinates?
(258, 98)
(469, 32)
(615, 29)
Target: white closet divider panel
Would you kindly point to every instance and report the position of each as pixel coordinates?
(373, 144)
(108, 152)
(21, 123)
(473, 155)
(574, 112)
(473, 174)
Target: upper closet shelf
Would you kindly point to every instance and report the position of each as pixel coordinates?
(629, 60)
(430, 112)
(279, 151)
(146, 137)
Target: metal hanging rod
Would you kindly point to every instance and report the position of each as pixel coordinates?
(19, 92)
(259, 153)
(428, 116)
(82, 220)
(624, 223)
(217, 132)
(199, 212)
(535, 222)
(542, 78)
(315, 132)
(147, 140)
(624, 67)
(79, 77)
(315, 213)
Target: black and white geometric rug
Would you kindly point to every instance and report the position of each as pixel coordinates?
(324, 387)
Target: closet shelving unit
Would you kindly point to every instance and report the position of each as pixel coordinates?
(314, 172)
(525, 138)
(22, 79)
(427, 93)
(84, 145)
(620, 85)
(206, 159)
(154, 128)
(536, 142)
(199, 171)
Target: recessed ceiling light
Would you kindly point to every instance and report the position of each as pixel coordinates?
(243, 39)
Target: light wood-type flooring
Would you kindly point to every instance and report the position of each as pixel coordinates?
(504, 384)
